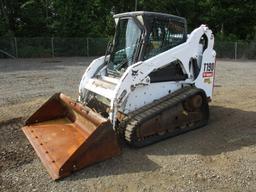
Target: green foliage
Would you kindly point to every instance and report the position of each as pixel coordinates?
(34, 47)
(229, 20)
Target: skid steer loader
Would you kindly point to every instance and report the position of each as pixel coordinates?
(154, 82)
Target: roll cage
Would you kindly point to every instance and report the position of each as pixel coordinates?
(159, 32)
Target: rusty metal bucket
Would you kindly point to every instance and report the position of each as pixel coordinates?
(68, 136)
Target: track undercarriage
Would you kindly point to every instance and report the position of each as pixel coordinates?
(179, 112)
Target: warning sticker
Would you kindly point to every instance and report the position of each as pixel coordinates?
(207, 74)
(207, 80)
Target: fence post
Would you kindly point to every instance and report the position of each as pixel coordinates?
(16, 47)
(235, 50)
(52, 45)
(87, 46)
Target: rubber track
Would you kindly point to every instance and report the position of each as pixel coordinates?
(138, 117)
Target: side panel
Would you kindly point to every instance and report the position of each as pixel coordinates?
(144, 95)
(205, 79)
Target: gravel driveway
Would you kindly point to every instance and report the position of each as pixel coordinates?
(218, 157)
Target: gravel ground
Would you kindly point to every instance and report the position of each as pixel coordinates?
(218, 157)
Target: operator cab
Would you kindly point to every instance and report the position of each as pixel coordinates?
(141, 35)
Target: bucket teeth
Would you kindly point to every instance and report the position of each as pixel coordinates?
(68, 136)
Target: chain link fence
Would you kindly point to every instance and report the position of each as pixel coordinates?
(52, 47)
(236, 50)
(67, 47)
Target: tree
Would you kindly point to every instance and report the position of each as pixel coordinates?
(93, 18)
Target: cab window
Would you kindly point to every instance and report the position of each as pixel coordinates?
(164, 35)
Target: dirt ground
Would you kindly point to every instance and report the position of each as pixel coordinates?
(218, 157)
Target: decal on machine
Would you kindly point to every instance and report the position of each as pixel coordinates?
(208, 69)
(207, 80)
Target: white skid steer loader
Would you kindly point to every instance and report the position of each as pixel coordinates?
(154, 82)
